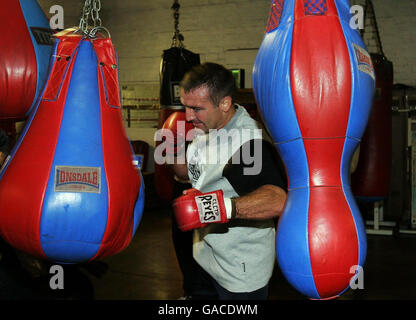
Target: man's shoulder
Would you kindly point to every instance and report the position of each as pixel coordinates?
(244, 120)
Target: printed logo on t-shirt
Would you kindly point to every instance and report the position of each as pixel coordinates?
(195, 171)
(208, 208)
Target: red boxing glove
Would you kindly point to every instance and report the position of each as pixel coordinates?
(196, 209)
(177, 137)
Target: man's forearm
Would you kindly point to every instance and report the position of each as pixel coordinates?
(195, 209)
(266, 202)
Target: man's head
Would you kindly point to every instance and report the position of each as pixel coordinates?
(206, 93)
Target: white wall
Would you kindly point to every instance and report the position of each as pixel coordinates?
(396, 22)
(224, 31)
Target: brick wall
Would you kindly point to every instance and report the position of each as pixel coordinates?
(224, 31)
(397, 22)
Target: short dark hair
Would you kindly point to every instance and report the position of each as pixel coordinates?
(219, 81)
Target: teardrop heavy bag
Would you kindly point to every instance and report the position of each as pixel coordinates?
(314, 82)
(26, 48)
(370, 182)
(70, 192)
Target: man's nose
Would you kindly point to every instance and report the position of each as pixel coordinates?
(189, 114)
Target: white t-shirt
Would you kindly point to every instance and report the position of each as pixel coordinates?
(240, 254)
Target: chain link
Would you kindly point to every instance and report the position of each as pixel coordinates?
(91, 9)
(95, 13)
(177, 37)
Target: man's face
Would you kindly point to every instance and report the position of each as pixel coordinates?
(201, 111)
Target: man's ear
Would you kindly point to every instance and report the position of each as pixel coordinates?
(226, 103)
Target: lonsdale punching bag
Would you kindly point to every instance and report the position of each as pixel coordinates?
(26, 47)
(314, 81)
(70, 192)
(176, 61)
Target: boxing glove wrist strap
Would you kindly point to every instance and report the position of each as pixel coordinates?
(230, 207)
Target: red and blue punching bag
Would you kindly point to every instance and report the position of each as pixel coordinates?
(70, 192)
(26, 47)
(314, 82)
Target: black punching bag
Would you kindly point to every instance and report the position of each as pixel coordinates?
(176, 61)
(371, 180)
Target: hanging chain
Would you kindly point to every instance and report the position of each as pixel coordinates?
(83, 23)
(95, 13)
(177, 37)
(91, 8)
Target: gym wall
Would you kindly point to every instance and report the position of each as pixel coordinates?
(224, 31)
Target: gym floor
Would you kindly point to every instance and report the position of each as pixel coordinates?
(148, 270)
